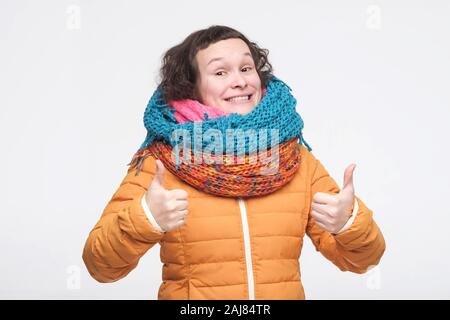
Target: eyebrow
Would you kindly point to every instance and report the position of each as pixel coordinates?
(220, 58)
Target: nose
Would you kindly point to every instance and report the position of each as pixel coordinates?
(238, 81)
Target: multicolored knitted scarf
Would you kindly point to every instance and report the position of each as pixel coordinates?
(234, 163)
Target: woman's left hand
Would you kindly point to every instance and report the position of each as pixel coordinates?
(331, 212)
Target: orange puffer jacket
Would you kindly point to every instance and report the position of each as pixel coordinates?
(229, 248)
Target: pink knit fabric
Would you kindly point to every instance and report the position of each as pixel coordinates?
(189, 110)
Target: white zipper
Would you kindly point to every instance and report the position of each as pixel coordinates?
(248, 251)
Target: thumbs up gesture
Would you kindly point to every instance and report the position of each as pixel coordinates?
(168, 207)
(331, 212)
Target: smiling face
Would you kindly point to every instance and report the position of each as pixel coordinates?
(227, 77)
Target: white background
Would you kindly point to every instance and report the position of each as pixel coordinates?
(372, 79)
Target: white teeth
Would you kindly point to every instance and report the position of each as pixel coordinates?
(241, 98)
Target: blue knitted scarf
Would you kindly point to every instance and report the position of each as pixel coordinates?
(275, 111)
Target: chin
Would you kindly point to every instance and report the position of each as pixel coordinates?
(237, 109)
(247, 110)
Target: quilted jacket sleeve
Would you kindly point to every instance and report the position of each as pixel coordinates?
(357, 248)
(123, 234)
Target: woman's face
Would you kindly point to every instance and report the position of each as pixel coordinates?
(227, 70)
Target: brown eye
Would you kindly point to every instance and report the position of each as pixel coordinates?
(247, 68)
(217, 73)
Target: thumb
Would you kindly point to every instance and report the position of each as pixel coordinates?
(348, 177)
(158, 180)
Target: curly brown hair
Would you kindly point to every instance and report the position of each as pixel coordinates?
(179, 70)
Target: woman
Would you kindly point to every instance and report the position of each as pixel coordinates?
(229, 213)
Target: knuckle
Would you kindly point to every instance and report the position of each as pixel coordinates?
(184, 193)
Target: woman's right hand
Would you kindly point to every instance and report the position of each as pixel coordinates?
(168, 207)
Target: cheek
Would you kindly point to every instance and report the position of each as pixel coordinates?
(212, 93)
(255, 82)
